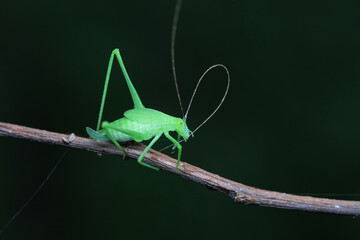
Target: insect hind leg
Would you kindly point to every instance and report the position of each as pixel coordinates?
(135, 96)
(107, 133)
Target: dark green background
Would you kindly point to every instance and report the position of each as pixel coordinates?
(290, 122)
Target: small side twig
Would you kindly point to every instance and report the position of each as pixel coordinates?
(237, 191)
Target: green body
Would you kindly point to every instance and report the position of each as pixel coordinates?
(138, 124)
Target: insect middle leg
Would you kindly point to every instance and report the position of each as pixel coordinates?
(146, 150)
(179, 147)
(106, 126)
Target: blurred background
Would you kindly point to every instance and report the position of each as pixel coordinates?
(290, 122)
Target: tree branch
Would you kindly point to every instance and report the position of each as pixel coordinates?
(237, 191)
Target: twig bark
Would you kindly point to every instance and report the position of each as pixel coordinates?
(237, 191)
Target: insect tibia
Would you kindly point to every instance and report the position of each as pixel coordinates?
(135, 97)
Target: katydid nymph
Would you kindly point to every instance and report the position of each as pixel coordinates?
(139, 123)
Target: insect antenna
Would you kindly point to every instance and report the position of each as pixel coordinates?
(193, 95)
(34, 193)
(222, 100)
(173, 36)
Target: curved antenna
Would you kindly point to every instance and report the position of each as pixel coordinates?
(173, 35)
(222, 100)
(34, 193)
(216, 109)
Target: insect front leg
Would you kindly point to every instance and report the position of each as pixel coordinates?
(179, 147)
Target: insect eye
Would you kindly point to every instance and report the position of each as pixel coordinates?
(182, 123)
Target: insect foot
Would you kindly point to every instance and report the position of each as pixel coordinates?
(181, 169)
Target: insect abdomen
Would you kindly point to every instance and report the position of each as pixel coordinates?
(118, 135)
(126, 129)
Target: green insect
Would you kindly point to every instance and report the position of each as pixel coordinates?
(138, 124)
(141, 123)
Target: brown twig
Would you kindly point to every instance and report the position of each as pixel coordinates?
(239, 192)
